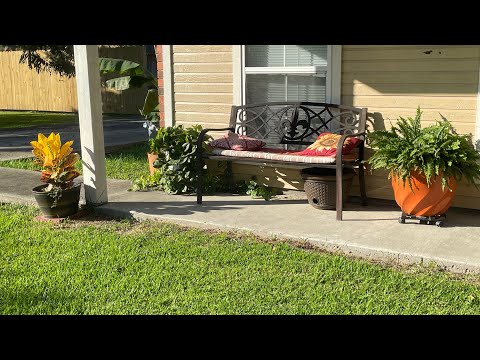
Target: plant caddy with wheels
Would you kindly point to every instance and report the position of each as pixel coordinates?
(430, 160)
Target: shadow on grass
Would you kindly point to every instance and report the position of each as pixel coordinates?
(88, 215)
(41, 301)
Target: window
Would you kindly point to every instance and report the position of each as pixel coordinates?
(287, 73)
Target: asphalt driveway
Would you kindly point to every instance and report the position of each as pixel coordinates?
(15, 143)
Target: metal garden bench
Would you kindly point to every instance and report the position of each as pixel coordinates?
(293, 126)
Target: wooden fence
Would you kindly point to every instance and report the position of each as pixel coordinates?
(22, 88)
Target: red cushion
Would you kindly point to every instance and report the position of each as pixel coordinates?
(233, 141)
(326, 145)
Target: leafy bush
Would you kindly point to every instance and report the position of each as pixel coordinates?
(176, 163)
(177, 169)
(436, 150)
(147, 182)
(256, 190)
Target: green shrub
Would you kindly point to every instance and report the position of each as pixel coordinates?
(147, 182)
(176, 148)
(255, 190)
(177, 171)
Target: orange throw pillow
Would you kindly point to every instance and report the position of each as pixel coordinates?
(326, 145)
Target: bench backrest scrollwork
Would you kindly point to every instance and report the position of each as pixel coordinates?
(296, 122)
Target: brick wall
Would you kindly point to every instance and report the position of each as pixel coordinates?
(158, 51)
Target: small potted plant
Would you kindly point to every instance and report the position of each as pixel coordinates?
(430, 160)
(60, 196)
(153, 151)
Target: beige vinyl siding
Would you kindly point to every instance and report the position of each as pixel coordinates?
(391, 81)
(280, 177)
(203, 84)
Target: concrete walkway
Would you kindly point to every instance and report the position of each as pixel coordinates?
(371, 232)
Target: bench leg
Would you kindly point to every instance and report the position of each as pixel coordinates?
(361, 175)
(229, 174)
(199, 180)
(199, 189)
(339, 185)
(361, 179)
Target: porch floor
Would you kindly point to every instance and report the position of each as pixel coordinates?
(371, 232)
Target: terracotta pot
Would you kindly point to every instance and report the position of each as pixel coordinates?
(424, 200)
(151, 159)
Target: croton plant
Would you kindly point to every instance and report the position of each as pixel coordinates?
(57, 161)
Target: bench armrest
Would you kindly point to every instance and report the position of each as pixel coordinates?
(204, 131)
(338, 156)
(202, 136)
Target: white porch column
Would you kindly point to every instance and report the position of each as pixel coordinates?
(91, 123)
(476, 139)
(168, 105)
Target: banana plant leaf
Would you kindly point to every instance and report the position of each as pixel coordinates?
(127, 82)
(151, 102)
(110, 65)
(133, 77)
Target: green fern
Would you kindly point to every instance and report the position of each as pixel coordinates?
(436, 150)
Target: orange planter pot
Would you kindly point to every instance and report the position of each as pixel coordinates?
(151, 159)
(424, 200)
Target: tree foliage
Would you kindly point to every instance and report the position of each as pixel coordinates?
(50, 58)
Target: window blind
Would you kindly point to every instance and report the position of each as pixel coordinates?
(285, 55)
(285, 87)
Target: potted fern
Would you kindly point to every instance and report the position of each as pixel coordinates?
(60, 196)
(429, 160)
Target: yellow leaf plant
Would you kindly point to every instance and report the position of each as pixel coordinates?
(57, 161)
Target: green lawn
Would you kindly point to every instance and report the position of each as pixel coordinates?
(120, 267)
(24, 119)
(127, 163)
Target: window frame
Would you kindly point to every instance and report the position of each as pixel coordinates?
(333, 71)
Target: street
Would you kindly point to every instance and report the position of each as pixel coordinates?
(15, 143)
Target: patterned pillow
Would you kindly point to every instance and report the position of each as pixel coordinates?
(233, 141)
(326, 145)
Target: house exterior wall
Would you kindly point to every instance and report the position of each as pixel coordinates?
(203, 84)
(391, 81)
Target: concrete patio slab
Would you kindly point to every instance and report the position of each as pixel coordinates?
(371, 232)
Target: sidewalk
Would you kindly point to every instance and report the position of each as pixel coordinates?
(371, 232)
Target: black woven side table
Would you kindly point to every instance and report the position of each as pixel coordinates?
(319, 185)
